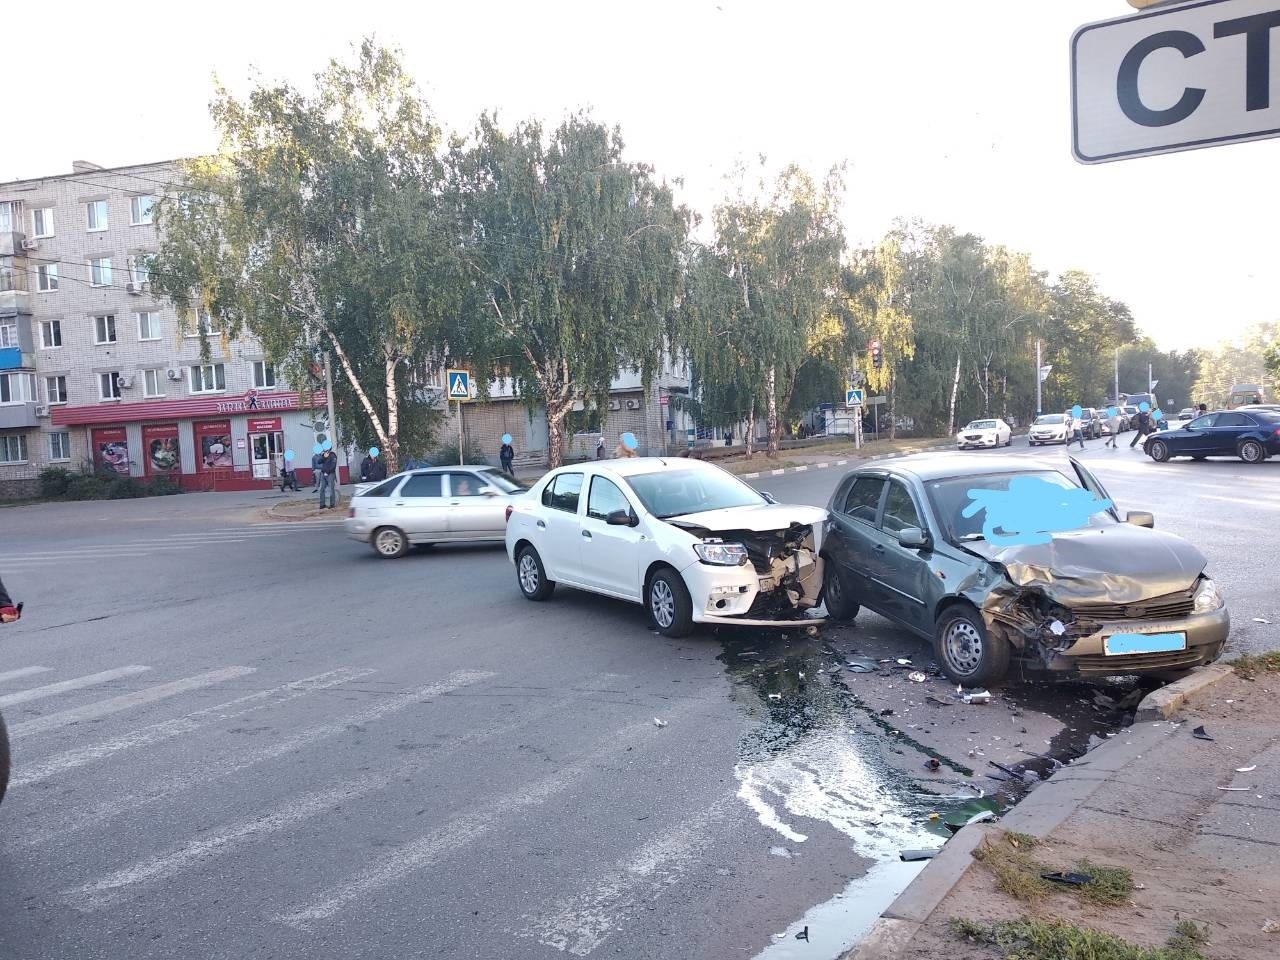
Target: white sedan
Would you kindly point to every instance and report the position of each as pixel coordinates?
(689, 541)
(985, 433)
(1048, 428)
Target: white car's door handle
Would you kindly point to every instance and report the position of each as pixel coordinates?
(587, 534)
(542, 524)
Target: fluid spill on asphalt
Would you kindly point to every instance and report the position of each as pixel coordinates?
(820, 755)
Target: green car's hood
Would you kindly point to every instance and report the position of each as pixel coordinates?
(1119, 563)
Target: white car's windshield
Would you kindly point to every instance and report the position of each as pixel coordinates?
(1051, 418)
(981, 425)
(950, 497)
(674, 493)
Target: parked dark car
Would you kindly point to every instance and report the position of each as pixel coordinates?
(899, 544)
(1252, 435)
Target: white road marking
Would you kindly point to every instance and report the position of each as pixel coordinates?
(22, 672)
(168, 729)
(217, 766)
(580, 924)
(65, 686)
(136, 699)
(102, 893)
(460, 831)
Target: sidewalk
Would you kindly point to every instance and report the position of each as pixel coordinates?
(1196, 822)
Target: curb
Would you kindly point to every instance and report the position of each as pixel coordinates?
(296, 517)
(1042, 812)
(838, 463)
(1162, 704)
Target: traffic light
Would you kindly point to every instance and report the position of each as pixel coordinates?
(876, 358)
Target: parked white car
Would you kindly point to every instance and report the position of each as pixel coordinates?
(437, 505)
(689, 541)
(1049, 428)
(985, 433)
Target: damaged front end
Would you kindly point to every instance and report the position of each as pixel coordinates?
(787, 581)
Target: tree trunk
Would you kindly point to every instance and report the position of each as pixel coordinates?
(893, 406)
(751, 431)
(392, 451)
(363, 397)
(774, 422)
(1004, 396)
(955, 388)
(555, 439)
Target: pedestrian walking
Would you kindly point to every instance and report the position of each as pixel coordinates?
(1113, 428)
(1144, 427)
(329, 478)
(1202, 411)
(600, 449)
(1075, 430)
(372, 468)
(506, 455)
(316, 460)
(9, 611)
(622, 450)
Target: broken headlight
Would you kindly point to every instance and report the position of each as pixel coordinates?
(721, 554)
(1207, 598)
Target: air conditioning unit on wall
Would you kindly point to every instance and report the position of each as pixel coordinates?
(42, 410)
(173, 374)
(615, 404)
(633, 404)
(125, 382)
(30, 245)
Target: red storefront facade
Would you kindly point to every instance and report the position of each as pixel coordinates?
(204, 443)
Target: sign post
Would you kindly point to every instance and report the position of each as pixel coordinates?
(853, 401)
(458, 387)
(1171, 78)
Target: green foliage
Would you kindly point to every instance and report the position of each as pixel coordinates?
(1231, 363)
(1032, 939)
(1249, 665)
(84, 486)
(573, 261)
(447, 453)
(53, 482)
(1110, 886)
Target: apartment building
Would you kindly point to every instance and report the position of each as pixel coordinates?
(94, 369)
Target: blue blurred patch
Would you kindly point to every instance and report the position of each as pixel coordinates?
(1122, 643)
(1031, 510)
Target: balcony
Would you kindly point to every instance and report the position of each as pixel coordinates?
(12, 358)
(14, 303)
(18, 416)
(11, 243)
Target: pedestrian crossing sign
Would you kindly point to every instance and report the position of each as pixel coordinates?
(853, 398)
(459, 382)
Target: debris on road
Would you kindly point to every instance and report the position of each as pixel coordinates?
(1199, 733)
(977, 696)
(932, 764)
(803, 934)
(1261, 620)
(1248, 769)
(775, 696)
(1271, 926)
(916, 676)
(861, 665)
(1070, 879)
(1235, 789)
(908, 856)
(659, 723)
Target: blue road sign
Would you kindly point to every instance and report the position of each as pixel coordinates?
(853, 398)
(459, 382)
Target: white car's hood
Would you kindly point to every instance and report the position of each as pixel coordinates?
(761, 519)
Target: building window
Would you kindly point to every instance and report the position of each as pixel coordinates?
(208, 378)
(264, 375)
(18, 388)
(100, 272)
(109, 385)
(8, 335)
(47, 277)
(50, 334)
(153, 383)
(60, 445)
(140, 269)
(97, 213)
(10, 216)
(13, 448)
(11, 275)
(42, 222)
(104, 329)
(55, 390)
(203, 325)
(140, 209)
(148, 325)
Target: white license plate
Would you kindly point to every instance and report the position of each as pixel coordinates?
(1125, 644)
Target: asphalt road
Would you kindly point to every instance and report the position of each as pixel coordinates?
(235, 739)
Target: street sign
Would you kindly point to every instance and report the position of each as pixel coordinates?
(1045, 370)
(853, 398)
(459, 384)
(1174, 78)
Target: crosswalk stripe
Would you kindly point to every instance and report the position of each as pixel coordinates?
(64, 686)
(168, 729)
(22, 672)
(106, 707)
(217, 766)
(460, 831)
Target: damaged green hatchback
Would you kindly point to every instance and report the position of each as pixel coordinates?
(1113, 597)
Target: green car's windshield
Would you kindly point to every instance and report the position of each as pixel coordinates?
(950, 497)
(674, 493)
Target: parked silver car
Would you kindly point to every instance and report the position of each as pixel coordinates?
(438, 505)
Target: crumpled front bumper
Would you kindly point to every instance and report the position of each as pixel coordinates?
(1206, 635)
(732, 595)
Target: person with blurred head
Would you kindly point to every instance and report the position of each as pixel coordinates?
(329, 478)
(622, 451)
(9, 611)
(600, 449)
(506, 456)
(1113, 427)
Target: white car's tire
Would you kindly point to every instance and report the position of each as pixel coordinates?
(669, 604)
(389, 543)
(532, 576)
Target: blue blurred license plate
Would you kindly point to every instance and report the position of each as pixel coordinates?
(1121, 644)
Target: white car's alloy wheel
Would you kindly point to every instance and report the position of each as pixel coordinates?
(662, 604)
(528, 573)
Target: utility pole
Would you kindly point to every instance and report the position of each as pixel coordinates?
(1039, 378)
(328, 396)
(1149, 379)
(1117, 394)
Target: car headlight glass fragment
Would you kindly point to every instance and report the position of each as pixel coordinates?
(721, 554)
(1207, 598)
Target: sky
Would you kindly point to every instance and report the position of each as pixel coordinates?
(957, 113)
